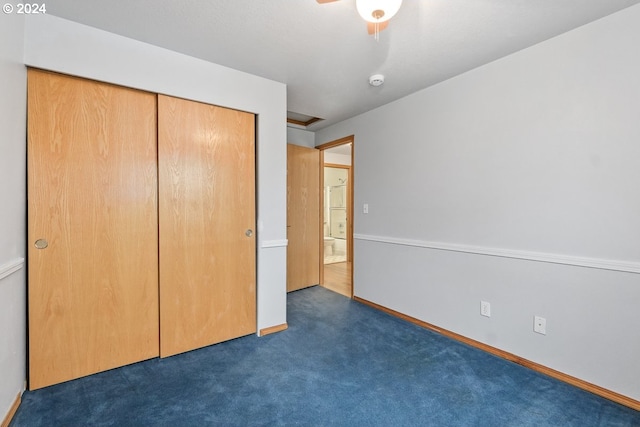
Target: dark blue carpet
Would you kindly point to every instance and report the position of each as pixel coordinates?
(339, 363)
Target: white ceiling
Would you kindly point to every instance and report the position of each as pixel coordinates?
(323, 52)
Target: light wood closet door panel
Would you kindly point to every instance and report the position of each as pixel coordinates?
(303, 217)
(92, 194)
(207, 204)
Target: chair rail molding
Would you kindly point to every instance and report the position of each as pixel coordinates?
(274, 243)
(603, 264)
(10, 267)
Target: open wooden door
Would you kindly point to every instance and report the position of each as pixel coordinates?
(206, 159)
(303, 217)
(92, 227)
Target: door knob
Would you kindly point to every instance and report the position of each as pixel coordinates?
(248, 233)
(41, 244)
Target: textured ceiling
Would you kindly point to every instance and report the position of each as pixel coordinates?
(323, 52)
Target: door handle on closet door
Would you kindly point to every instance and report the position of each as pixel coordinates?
(41, 244)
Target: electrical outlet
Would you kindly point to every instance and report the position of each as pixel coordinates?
(485, 309)
(540, 325)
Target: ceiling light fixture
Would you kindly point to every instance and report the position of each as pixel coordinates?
(378, 11)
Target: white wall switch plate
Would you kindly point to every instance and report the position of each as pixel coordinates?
(485, 309)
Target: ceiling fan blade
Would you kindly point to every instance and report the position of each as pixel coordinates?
(326, 1)
(371, 27)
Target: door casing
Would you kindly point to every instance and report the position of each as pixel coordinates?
(350, 211)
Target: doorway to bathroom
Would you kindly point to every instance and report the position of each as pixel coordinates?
(335, 195)
(336, 215)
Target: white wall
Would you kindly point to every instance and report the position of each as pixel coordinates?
(337, 159)
(515, 183)
(301, 137)
(13, 86)
(56, 44)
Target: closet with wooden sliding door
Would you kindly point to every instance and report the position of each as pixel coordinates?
(207, 215)
(141, 211)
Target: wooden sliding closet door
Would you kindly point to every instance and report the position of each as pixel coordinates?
(92, 233)
(207, 217)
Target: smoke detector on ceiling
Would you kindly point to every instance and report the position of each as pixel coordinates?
(376, 80)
